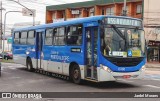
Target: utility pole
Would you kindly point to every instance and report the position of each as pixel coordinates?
(124, 9)
(1, 8)
(1, 24)
(1, 29)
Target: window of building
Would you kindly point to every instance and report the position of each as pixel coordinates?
(23, 38)
(76, 13)
(16, 37)
(63, 14)
(49, 37)
(77, 16)
(139, 9)
(59, 36)
(31, 38)
(103, 12)
(126, 9)
(74, 35)
(110, 11)
(53, 16)
(91, 12)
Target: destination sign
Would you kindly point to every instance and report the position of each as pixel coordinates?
(124, 21)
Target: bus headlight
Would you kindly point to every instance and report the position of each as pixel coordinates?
(27, 53)
(106, 68)
(143, 68)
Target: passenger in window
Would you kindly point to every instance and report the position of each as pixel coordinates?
(74, 37)
(69, 39)
(108, 44)
(55, 37)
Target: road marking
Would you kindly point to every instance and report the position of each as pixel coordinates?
(152, 86)
(156, 79)
(11, 67)
(2, 68)
(6, 72)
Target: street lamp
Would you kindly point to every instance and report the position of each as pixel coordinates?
(4, 29)
(26, 8)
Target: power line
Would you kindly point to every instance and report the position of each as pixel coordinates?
(43, 3)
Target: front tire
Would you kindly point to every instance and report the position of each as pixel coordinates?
(76, 74)
(29, 65)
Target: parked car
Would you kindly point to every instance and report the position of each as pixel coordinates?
(6, 55)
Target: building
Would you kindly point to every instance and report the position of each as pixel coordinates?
(90, 8)
(152, 29)
(147, 10)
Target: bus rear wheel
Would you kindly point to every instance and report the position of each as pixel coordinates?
(76, 74)
(29, 65)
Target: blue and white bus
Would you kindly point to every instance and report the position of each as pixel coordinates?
(98, 48)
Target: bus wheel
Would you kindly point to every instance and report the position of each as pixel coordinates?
(29, 65)
(76, 74)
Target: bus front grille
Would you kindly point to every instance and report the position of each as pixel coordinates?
(125, 62)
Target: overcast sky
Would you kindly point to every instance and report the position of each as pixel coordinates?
(38, 5)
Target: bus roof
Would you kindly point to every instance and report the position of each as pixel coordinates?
(70, 22)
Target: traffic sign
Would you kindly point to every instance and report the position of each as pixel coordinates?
(26, 12)
(9, 40)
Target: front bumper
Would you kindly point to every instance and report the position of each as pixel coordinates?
(104, 75)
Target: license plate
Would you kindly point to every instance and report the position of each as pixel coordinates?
(126, 76)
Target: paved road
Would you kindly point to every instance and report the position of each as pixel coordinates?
(15, 78)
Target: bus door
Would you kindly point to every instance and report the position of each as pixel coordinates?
(91, 51)
(39, 47)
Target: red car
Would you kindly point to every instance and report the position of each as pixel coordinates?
(6, 55)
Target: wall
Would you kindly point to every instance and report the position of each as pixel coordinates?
(152, 19)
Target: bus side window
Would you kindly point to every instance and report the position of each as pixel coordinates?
(68, 36)
(54, 36)
(49, 37)
(31, 37)
(23, 39)
(79, 41)
(16, 37)
(61, 40)
(74, 35)
(59, 36)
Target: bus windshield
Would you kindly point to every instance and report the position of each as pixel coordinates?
(120, 41)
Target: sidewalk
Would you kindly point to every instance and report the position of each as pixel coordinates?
(153, 65)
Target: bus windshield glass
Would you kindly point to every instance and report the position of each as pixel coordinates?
(123, 41)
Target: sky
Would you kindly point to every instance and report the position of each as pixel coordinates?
(38, 5)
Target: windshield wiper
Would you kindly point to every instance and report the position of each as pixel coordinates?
(119, 32)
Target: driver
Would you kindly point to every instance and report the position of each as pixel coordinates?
(108, 41)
